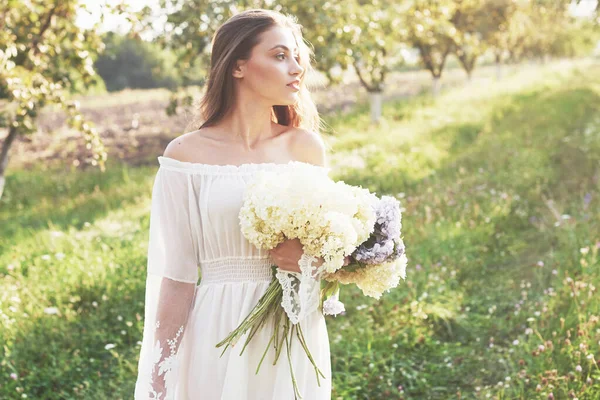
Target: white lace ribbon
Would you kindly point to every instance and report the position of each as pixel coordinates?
(301, 290)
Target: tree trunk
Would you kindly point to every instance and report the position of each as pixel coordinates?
(498, 70)
(12, 134)
(376, 103)
(435, 87)
(498, 66)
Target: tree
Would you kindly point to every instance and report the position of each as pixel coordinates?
(374, 46)
(430, 30)
(360, 34)
(468, 43)
(44, 57)
(498, 24)
(133, 63)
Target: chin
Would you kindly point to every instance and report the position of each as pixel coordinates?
(290, 101)
(286, 103)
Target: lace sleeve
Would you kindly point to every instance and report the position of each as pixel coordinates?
(160, 380)
(172, 275)
(301, 290)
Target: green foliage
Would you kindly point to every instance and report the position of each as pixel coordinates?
(360, 34)
(429, 29)
(135, 64)
(44, 57)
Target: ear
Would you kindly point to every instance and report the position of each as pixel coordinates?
(238, 69)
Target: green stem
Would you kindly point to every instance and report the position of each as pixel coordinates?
(269, 306)
(289, 354)
(300, 335)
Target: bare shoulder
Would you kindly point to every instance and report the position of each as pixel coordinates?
(186, 147)
(308, 146)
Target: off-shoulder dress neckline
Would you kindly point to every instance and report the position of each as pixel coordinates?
(188, 166)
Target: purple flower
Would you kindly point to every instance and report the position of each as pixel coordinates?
(587, 199)
(385, 243)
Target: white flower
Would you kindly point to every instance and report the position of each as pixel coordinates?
(51, 310)
(109, 346)
(330, 218)
(332, 306)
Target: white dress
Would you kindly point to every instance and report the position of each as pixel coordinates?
(194, 223)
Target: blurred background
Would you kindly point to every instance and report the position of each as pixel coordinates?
(480, 116)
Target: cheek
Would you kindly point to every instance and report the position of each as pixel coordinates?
(265, 74)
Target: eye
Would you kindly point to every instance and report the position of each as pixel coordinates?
(283, 54)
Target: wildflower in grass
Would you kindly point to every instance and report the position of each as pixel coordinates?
(51, 310)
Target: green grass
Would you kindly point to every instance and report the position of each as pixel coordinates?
(499, 186)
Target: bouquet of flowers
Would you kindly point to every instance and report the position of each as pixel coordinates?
(332, 220)
(376, 265)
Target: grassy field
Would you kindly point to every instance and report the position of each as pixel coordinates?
(499, 185)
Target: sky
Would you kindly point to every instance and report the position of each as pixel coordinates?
(116, 23)
(111, 22)
(585, 8)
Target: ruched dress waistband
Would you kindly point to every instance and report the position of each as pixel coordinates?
(232, 270)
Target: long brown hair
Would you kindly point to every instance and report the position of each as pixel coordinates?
(234, 41)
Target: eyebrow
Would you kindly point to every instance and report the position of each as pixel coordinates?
(282, 46)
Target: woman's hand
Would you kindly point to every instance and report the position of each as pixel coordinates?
(287, 254)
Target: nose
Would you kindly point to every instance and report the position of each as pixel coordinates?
(298, 70)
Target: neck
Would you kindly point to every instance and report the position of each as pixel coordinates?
(249, 120)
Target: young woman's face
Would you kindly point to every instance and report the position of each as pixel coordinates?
(273, 66)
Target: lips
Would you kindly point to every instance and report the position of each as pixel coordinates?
(294, 85)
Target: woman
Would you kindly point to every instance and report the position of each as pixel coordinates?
(258, 115)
